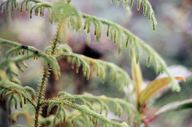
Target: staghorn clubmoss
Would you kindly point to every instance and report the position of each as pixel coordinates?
(85, 111)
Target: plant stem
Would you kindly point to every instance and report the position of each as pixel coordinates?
(56, 37)
(46, 75)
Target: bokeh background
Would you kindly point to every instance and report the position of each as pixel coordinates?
(172, 39)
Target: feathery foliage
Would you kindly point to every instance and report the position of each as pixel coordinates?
(84, 107)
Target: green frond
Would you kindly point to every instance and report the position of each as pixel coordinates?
(83, 109)
(16, 92)
(133, 41)
(102, 66)
(31, 91)
(33, 53)
(146, 7)
(62, 10)
(86, 113)
(97, 24)
(37, 7)
(103, 101)
(117, 31)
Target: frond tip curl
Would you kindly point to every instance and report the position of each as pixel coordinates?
(146, 7)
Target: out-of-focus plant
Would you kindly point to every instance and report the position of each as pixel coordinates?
(80, 110)
(143, 95)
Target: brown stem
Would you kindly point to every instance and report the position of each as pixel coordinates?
(45, 75)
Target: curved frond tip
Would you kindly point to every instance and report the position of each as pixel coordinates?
(146, 7)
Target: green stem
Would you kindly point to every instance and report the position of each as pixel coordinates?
(46, 75)
(56, 37)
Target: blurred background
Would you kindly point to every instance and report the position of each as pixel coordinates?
(172, 40)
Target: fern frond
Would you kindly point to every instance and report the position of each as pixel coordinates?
(97, 24)
(117, 33)
(61, 13)
(83, 109)
(136, 42)
(11, 89)
(103, 101)
(34, 53)
(38, 7)
(117, 74)
(146, 7)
